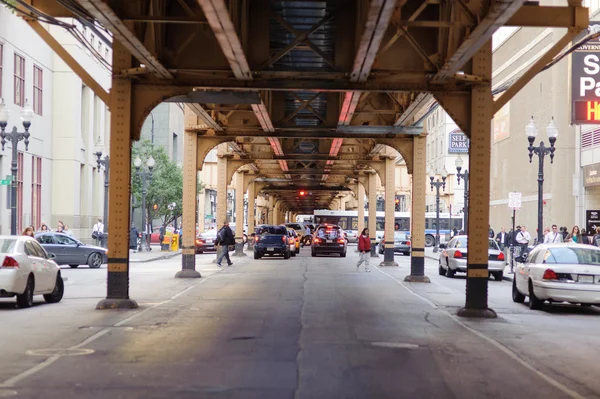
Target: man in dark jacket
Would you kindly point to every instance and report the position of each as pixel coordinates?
(225, 238)
(133, 238)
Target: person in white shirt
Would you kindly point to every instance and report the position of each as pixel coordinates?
(554, 236)
(523, 239)
(98, 230)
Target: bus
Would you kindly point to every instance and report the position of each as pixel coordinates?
(348, 220)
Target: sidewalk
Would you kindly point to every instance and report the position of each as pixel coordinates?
(436, 256)
(155, 254)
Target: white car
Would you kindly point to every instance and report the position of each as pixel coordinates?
(558, 273)
(26, 269)
(453, 258)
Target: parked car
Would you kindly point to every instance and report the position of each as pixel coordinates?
(401, 243)
(294, 241)
(69, 251)
(352, 236)
(26, 269)
(329, 239)
(558, 273)
(453, 258)
(206, 241)
(272, 240)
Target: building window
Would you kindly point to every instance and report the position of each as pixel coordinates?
(36, 191)
(19, 80)
(20, 163)
(37, 89)
(174, 156)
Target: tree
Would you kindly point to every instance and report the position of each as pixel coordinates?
(165, 188)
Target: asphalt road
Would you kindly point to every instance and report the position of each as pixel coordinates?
(299, 328)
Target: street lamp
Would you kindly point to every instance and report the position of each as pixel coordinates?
(14, 137)
(465, 176)
(437, 184)
(541, 150)
(146, 176)
(106, 164)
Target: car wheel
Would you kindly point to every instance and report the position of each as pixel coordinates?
(256, 255)
(298, 250)
(199, 252)
(534, 302)
(516, 295)
(286, 255)
(57, 294)
(25, 300)
(293, 253)
(343, 255)
(498, 276)
(449, 272)
(406, 253)
(585, 305)
(74, 266)
(313, 254)
(429, 241)
(95, 260)
(441, 270)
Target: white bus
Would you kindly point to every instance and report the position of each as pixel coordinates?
(348, 220)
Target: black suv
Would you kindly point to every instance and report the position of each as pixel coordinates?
(329, 239)
(271, 240)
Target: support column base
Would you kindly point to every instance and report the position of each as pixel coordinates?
(239, 250)
(116, 303)
(388, 263)
(188, 273)
(417, 279)
(477, 313)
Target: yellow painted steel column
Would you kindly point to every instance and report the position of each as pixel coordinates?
(222, 183)
(390, 196)
(239, 214)
(476, 304)
(251, 210)
(361, 206)
(117, 293)
(373, 213)
(417, 219)
(271, 210)
(190, 189)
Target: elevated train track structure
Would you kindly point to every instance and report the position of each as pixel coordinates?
(313, 95)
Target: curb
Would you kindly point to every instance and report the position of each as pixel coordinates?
(162, 257)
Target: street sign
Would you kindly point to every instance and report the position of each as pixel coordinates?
(514, 200)
(5, 182)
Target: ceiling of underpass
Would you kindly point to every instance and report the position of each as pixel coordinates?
(306, 89)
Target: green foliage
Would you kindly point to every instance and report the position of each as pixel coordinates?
(166, 186)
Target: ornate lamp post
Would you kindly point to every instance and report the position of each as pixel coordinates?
(465, 176)
(437, 184)
(106, 164)
(14, 137)
(146, 176)
(541, 150)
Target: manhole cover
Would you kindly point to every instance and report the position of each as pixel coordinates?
(59, 352)
(5, 393)
(395, 345)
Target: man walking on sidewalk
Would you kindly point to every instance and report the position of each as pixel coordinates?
(364, 250)
(225, 238)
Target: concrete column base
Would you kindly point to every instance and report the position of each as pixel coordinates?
(417, 279)
(116, 303)
(187, 273)
(388, 263)
(239, 250)
(477, 313)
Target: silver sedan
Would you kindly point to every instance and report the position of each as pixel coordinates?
(453, 258)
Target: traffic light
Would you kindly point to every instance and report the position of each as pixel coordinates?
(155, 207)
(302, 193)
(397, 206)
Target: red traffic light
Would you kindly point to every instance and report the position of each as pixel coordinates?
(155, 206)
(302, 193)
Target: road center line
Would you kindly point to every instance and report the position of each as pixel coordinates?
(49, 361)
(566, 390)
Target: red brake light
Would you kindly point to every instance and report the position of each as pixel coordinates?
(340, 240)
(284, 238)
(458, 254)
(549, 274)
(292, 241)
(408, 243)
(10, 262)
(501, 256)
(317, 240)
(256, 238)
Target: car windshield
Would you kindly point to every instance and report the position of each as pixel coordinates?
(7, 245)
(400, 236)
(329, 232)
(209, 234)
(274, 230)
(572, 255)
(461, 242)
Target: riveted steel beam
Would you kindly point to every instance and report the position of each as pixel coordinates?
(107, 17)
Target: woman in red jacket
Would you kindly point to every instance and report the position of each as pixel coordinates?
(364, 249)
